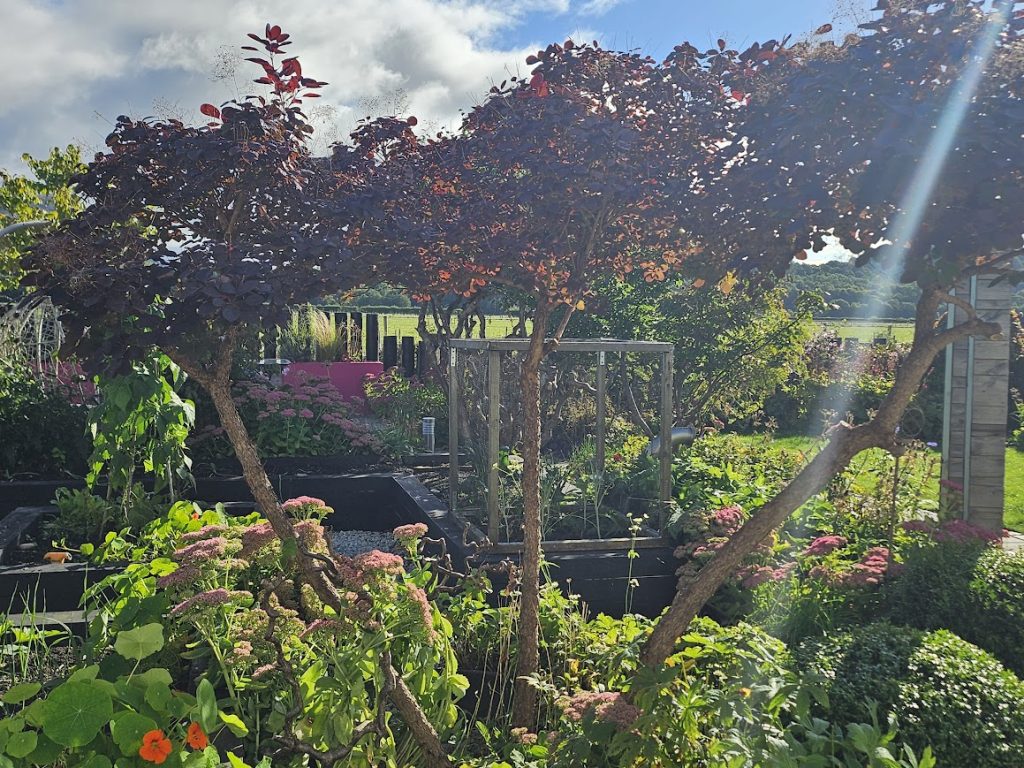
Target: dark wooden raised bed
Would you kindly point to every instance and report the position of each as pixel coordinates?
(598, 571)
(376, 502)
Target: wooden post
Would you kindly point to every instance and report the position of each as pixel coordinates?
(665, 476)
(453, 430)
(601, 413)
(974, 427)
(493, 442)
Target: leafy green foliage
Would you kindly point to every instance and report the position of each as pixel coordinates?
(945, 691)
(732, 350)
(849, 290)
(46, 195)
(96, 719)
(970, 589)
(44, 434)
(141, 423)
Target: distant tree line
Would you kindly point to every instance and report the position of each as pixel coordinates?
(850, 291)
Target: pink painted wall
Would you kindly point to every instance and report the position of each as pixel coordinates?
(347, 378)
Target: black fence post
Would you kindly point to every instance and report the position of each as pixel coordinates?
(372, 351)
(390, 355)
(409, 356)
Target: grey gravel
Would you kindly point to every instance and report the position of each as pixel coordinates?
(352, 543)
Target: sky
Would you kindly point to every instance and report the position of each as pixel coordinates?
(68, 68)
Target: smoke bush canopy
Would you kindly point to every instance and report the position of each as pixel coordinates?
(596, 164)
(192, 230)
(909, 131)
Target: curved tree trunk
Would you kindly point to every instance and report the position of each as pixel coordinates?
(528, 653)
(845, 443)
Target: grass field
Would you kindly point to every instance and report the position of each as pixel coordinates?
(501, 325)
(1013, 517)
(868, 330)
(405, 325)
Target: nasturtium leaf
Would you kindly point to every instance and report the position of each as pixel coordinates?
(18, 694)
(22, 743)
(206, 700)
(96, 761)
(46, 751)
(140, 642)
(128, 728)
(75, 712)
(84, 674)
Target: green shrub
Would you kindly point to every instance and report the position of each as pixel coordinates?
(974, 591)
(944, 691)
(43, 433)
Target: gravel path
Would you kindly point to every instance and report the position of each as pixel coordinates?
(352, 543)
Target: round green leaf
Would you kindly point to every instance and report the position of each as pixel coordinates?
(22, 743)
(128, 728)
(75, 712)
(18, 694)
(97, 761)
(140, 642)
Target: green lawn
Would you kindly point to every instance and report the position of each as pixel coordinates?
(405, 325)
(1013, 517)
(868, 330)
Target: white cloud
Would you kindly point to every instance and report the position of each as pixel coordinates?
(69, 67)
(598, 7)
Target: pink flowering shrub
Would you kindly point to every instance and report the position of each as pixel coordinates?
(306, 508)
(304, 417)
(708, 531)
(606, 706)
(229, 592)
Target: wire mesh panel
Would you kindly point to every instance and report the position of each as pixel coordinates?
(590, 389)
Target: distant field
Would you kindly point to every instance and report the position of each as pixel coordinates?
(405, 325)
(868, 330)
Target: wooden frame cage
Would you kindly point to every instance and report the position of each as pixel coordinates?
(599, 348)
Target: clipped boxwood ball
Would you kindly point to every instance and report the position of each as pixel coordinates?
(944, 691)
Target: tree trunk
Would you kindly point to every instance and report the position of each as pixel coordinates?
(528, 658)
(845, 443)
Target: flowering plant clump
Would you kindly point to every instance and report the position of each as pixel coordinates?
(307, 508)
(607, 706)
(403, 401)
(956, 531)
(304, 417)
(229, 592)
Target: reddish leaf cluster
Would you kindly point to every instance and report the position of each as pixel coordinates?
(195, 230)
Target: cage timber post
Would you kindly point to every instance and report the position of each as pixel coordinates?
(495, 349)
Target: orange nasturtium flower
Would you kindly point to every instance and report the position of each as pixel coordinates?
(196, 738)
(155, 747)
